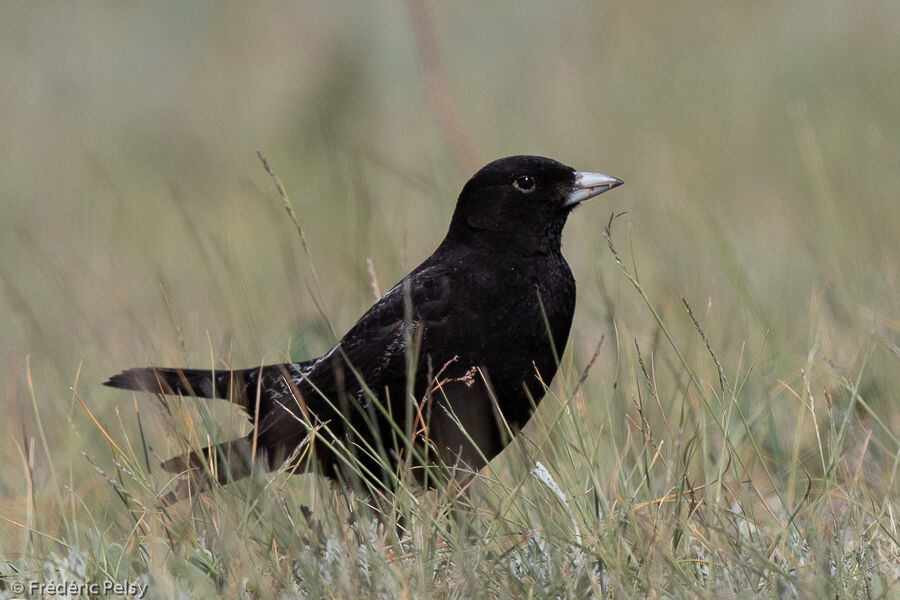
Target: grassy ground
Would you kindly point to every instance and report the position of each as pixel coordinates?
(736, 433)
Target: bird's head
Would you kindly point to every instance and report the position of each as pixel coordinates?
(522, 202)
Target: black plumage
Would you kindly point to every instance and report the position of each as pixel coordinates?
(470, 337)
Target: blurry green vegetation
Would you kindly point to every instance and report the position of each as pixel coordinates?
(759, 144)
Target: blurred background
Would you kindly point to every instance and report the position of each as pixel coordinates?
(758, 143)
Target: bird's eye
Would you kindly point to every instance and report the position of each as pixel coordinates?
(524, 183)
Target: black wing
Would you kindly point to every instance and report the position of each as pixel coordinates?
(284, 400)
(372, 358)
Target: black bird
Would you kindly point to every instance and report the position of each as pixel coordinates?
(458, 353)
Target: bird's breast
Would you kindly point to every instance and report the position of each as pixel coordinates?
(517, 317)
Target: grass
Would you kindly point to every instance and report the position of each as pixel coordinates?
(689, 493)
(724, 422)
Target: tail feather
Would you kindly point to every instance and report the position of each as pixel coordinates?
(226, 462)
(266, 389)
(201, 383)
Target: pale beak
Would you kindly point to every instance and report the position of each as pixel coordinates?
(588, 185)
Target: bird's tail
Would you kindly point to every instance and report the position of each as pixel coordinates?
(201, 383)
(226, 462)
